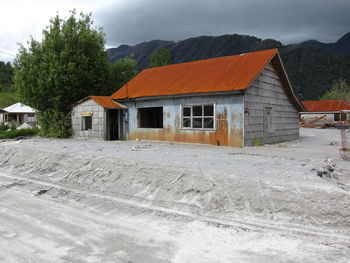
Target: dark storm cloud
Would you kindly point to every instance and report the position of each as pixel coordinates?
(289, 21)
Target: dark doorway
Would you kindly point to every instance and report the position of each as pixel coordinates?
(112, 127)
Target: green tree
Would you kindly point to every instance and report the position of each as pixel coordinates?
(68, 64)
(160, 58)
(122, 71)
(340, 91)
(6, 75)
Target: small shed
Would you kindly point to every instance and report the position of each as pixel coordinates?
(96, 117)
(325, 111)
(19, 113)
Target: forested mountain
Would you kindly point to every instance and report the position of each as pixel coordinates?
(310, 69)
(342, 46)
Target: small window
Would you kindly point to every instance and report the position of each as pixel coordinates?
(198, 116)
(150, 117)
(268, 127)
(87, 122)
(339, 116)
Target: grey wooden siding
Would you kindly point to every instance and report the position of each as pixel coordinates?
(98, 121)
(267, 91)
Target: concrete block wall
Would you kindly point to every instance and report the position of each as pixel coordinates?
(98, 131)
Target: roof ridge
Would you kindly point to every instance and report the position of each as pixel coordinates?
(207, 59)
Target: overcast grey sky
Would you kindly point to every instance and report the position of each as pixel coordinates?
(134, 21)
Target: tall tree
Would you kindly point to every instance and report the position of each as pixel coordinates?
(160, 58)
(68, 64)
(6, 74)
(122, 71)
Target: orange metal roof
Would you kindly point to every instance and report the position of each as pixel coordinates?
(325, 105)
(105, 101)
(210, 75)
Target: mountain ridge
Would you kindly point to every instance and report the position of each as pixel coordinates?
(311, 69)
(341, 46)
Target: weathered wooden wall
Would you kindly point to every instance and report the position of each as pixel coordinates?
(98, 121)
(229, 120)
(267, 91)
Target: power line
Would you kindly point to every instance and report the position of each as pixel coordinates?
(7, 53)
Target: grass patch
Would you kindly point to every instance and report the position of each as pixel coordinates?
(257, 141)
(8, 98)
(18, 133)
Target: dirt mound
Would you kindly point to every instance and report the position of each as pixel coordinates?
(182, 190)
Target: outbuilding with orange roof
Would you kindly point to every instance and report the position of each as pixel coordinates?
(96, 117)
(325, 111)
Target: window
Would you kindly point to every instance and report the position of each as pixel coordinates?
(340, 116)
(87, 122)
(150, 117)
(268, 127)
(198, 116)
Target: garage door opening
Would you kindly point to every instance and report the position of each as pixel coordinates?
(150, 117)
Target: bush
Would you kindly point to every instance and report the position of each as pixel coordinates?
(4, 127)
(54, 123)
(17, 133)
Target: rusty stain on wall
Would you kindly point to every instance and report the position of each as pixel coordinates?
(222, 135)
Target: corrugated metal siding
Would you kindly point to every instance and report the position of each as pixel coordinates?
(229, 121)
(267, 91)
(209, 75)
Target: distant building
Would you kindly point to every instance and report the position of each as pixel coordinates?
(18, 113)
(325, 111)
(236, 100)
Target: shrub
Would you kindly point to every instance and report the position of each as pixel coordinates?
(4, 127)
(17, 133)
(54, 123)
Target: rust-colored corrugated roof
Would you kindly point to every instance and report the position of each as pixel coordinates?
(210, 75)
(105, 101)
(325, 105)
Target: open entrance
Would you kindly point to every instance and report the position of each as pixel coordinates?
(113, 129)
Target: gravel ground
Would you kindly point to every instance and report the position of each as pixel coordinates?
(127, 201)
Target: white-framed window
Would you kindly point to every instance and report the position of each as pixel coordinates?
(86, 122)
(198, 116)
